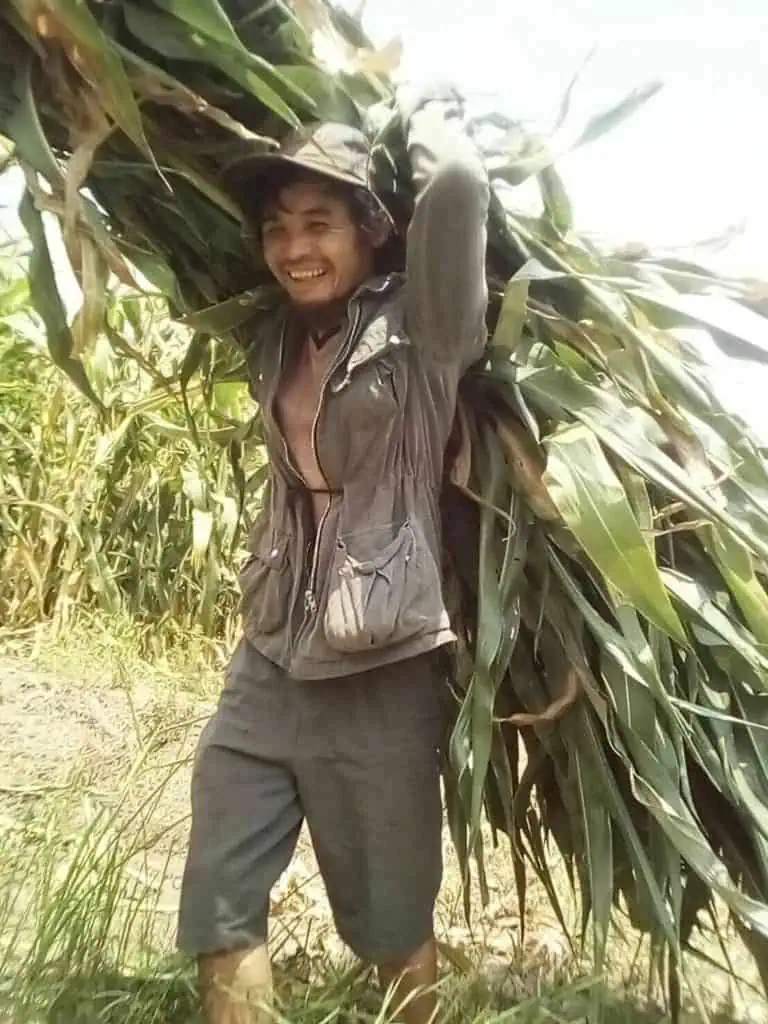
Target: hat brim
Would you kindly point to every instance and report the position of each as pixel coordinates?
(246, 173)
(250, 170)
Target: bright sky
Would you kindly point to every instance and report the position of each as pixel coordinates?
(691, 164)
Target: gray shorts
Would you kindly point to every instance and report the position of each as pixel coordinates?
(359, 758)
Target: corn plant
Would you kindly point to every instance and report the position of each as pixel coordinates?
(134, 513)
(606, 517)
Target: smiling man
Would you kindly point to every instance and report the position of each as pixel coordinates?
(320, 242)
(331, 710)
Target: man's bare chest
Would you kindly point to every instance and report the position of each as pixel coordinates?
(300, 390)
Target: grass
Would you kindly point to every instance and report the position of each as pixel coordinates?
(89, 872)
(97, 647)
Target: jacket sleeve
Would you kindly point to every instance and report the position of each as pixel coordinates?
(446, 293)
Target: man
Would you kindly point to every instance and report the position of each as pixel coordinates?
(331, 710)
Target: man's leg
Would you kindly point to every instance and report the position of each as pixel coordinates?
(237, 987)
(414, 981)
(246, 818)
(369, 781)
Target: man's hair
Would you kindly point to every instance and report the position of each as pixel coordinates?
(365, 210)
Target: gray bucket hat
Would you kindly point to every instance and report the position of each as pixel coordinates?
(329, 149)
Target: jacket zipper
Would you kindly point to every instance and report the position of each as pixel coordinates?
(310, 601)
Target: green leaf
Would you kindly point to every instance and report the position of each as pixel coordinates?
(598, 848)
(207, 16)
(593, 503)
(557, 205)
(712, 311)
(330, 101)
(156, 269)
(225, 316)
(482, 694)
(47, 301)
(76, 27)
(543, 154)
(583, 735)
(696, 597)
(632, 435)
(604, 122)
(737, 566)
(177, 39)
(24, 126)
(514, 310)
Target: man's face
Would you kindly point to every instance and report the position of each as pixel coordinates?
(312, 246)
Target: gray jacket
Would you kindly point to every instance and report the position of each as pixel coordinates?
(367, 589)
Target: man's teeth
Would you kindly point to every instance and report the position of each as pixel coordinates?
(304, 275)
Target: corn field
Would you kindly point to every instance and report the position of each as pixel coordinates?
(137, 514)
(605, 513)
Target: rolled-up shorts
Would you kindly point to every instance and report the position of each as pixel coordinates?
(358, 758)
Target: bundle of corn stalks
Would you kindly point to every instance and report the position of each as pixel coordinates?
(606, 517)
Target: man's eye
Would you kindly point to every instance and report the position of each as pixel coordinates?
(318, 225)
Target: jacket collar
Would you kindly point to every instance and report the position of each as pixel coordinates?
(362, 349)
(377, 285)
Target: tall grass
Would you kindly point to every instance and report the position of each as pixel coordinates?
(135, 513)
(82, 921)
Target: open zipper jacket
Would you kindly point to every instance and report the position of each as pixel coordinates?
(365, 587)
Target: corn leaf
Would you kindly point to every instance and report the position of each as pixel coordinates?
(591, 499)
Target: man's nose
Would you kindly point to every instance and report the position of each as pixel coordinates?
(297, 246)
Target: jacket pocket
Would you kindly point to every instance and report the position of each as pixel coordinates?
(265, 585)
(381, 595)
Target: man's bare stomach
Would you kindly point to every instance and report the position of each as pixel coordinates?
(303, 458)
(298, 401)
